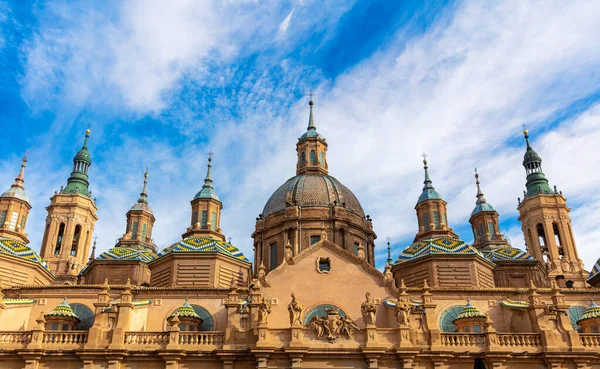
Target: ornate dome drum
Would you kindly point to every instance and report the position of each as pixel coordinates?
(310, 207)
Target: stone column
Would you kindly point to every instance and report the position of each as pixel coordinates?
(540, 319)
(173, 335)
(491, 336)
(431, 324)
(100, 318)
(563, 321)
(37, 333)
(372, 337)
(233, 320)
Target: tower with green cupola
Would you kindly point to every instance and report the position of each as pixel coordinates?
(546, 224)
(70, 221)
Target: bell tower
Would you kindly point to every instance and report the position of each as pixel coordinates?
(484, 223)
(431, 211)
(312, 149)
(206, 210)
(70, 222)
(546, 224)
(14, 209)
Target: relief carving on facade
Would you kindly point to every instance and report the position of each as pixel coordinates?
(333, 326)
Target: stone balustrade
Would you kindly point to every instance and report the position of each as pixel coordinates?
(17, 339)
(201, 338)
(519, 340)
(590, 340)
(186, 340)
(463, 340)
(146, 339)
(64, 338)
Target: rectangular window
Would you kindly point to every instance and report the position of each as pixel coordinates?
(273, 256)
(22, 225)
(356, 248)
(444, 219)
(195, 218)
(2, 217)
(436, 219)
(426, 221)
(481, 231)
(491, 229)
(14, 217)
(314, 239)
(134, 230)
(213, 220)
(204, 219)
(144, 229)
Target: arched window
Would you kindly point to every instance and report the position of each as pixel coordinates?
(575, 313)
(426, 221)
(85, 314)
(134, 230)
(303, 158)
(273, 256)
(322, 158)
(556, 232)
(320, 311)
(144, 229)
(444, 221)
(436, 219)
(59, 238)
(491, 229)
(313, 157)
(448, 317)
(541, 235)
(76, 237)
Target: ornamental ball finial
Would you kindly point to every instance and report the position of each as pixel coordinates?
(87, 131)
(525, 132)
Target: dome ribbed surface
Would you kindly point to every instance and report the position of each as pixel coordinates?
(508, 253)
(63, 310)
(187, 311)
(125, 253)
(470, 311)
(593, 311)
(436, 246)
(312, 190)
(204, 245)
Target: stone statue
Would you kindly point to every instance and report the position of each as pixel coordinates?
(368, 310)
(402, 312)
(295, 309)
(264, 309)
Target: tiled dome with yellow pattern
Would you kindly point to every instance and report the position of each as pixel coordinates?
(507, 253)
(126, 253)
(186, 311)
(20, 250)
(469, 311)
(436, 246)
(63, 310)
(593, 311)
(204, 245)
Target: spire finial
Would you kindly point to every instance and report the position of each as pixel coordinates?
(87, 135)
(20, 179)
(427, 182)
(311, 121)
(389, 258)
(480, 198)
(208, 179)
(93, 254)
(526, 134)
(144, 195)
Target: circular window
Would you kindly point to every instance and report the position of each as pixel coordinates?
(575, 313)
(85, 314)
(321, 311)
(448, 317)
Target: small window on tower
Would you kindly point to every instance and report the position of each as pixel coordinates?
(144, 229)
(356, 248)
(313, 157)
(22, 225)
(76, 236)
(195, 218)
(273, 256)
(134, 230)
(14, 217)
(426, 222)
(322, 158)
(59, 238)
(213, 221)
(204, 218)
(323, 264)
(303, 158)
(314, 239)
(2, 217)
(491, 229)
(436, 219)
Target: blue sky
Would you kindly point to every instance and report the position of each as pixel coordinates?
(162, 83)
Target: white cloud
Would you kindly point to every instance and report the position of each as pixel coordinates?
(458, 92)
(283, 26)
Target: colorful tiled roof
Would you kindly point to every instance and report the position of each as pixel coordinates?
(595, 270)
(514, 304)
(187, 311)
(312, 190)
(126, 253)
(11, 301)
(507, 253)
(470, 311)
(593, 311)
(20, 250)
(63, 310)
(204, 245)
(436, 246)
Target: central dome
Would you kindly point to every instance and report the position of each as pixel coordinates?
(312, 190)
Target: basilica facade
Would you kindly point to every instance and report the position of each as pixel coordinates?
(310, 296)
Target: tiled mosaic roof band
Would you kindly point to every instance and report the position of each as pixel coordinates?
(204, 245)
(125, 253)
(436, 246)
(593, 311)
(595, 270)
(470, 311)
(507, 253)
(63, 310)
(20, 250)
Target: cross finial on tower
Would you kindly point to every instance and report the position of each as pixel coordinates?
(424, 156)
(229, 239)
(210, 154)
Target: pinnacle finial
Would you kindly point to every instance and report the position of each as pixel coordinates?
(208, 179)
(526, 134)
(87, 135)
(311, 121)
(389, 251)
(20, 179)
(427, 182)
(144, 195)
(480, 198)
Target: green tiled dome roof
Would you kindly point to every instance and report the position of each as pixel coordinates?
(63, 310)
(507, 253)
(312, 190)
(187, 311)
(20, 250)
(126, 253)
(204, 245)
(593, 311)
(470, 311)
(436, 246)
